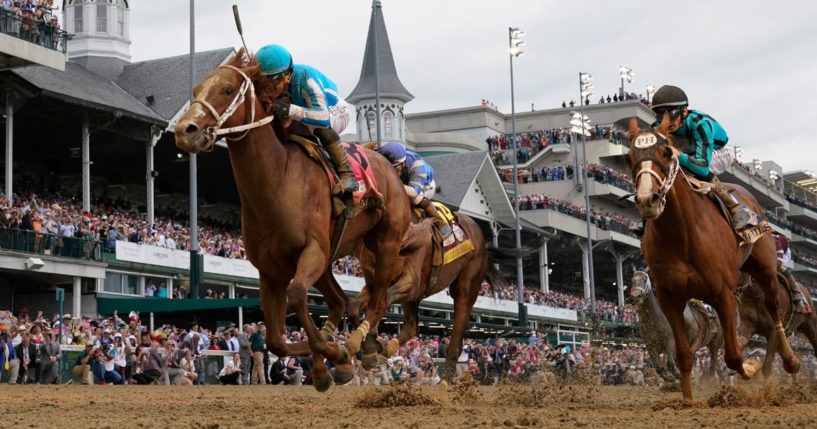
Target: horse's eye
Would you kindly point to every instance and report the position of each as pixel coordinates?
(228, 90)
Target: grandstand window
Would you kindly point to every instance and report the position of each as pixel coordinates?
(388, 120)
(120, 18)
(102, 18)
(372, 127)
(78, 12)
(121, 283)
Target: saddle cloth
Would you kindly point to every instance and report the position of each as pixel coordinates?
(366, 196)
(456, 245)
(757, 225)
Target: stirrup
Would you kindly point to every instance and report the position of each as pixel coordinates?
(347, 183)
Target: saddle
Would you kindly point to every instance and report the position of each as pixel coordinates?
(709, 313)
(757, 225)
(457, 245)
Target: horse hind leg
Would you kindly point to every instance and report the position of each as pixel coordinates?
(725, 307)
(766, 277)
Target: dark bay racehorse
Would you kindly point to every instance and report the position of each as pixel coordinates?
(463, 277)
(755, 319)
(657, 333)
(692, 251)
(287, 216)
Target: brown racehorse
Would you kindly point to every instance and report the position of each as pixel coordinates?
(463, 277)
(755, 319)
(287, 216)
(692, 251)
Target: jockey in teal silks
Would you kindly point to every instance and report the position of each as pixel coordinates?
(313, 100)
(418, 180)
(706, 156)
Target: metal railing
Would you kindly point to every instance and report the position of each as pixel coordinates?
(35, 31)
(49, 244)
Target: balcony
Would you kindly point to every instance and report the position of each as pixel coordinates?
(24, 241)
(765, 194)
(25, 42)
(804, 215)
(577, 226)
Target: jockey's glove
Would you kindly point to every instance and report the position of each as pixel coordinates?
(280, 107)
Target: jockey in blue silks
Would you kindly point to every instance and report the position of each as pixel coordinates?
(312, 100)
(418, 180)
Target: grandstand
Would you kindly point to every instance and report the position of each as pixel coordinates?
(96, 138)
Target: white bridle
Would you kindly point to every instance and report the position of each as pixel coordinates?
(212, 133)
(666, 182)
(647, 283)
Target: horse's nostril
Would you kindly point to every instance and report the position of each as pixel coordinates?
(655, 198)
(191, 129)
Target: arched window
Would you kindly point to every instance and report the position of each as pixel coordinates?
(371, 125)
(388, 119)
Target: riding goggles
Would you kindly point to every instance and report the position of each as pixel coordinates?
(673, 113)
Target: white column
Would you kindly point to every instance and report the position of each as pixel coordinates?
(170, 288)
(86, 163)
(77, 297)
(151, 322)
(9, 146)
(241, 318)
(620, 279)
(544, 276)
(231, 291)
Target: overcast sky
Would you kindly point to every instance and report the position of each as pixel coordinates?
(750, 64)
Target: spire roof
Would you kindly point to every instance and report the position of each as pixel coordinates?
(390, 85)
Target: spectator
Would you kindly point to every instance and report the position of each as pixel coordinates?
(82, 366)
(154, 367)
(259, 348)
(232, 371)
(49, 358)
(188, 366)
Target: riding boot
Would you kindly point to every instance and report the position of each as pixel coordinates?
(439, 221)
(740, 214)
(331, 142)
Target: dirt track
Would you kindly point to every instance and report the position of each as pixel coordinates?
(489, 407)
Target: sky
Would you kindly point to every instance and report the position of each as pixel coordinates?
(750, 64)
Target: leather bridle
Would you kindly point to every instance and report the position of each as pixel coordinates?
(211, 134)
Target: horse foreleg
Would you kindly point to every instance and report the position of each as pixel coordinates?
(683, 353)
(311, 266)
(725, 306)
(464, 291)
(771, 353)
(378, 284)
(337, 303)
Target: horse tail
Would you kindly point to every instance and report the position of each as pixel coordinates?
(495, 278)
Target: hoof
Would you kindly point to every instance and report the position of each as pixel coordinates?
(750, 368)
(372, 360)
(344, 373)
(322, 381)
(792, 366)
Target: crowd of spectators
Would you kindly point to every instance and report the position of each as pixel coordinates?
(802, 202)
(108, 222)
(614, 99)
(791, 226)
(532, 142)
(597, 172)
(605, 309)
(606, 221)
(31, 20)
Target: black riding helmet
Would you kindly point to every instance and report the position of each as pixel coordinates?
(669, 98)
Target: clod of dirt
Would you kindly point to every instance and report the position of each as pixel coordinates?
(399, 396)
(670, 387)
(465, 390)
(538, 395)
(674, 404)
(730, 397)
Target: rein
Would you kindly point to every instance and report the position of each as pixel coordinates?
(212, 133)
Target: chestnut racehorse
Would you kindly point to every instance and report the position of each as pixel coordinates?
(692, 251)
(755, 319)
(463, 277)
(287, 217)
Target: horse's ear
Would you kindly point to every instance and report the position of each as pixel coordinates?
(664, 125)
(633, 127)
